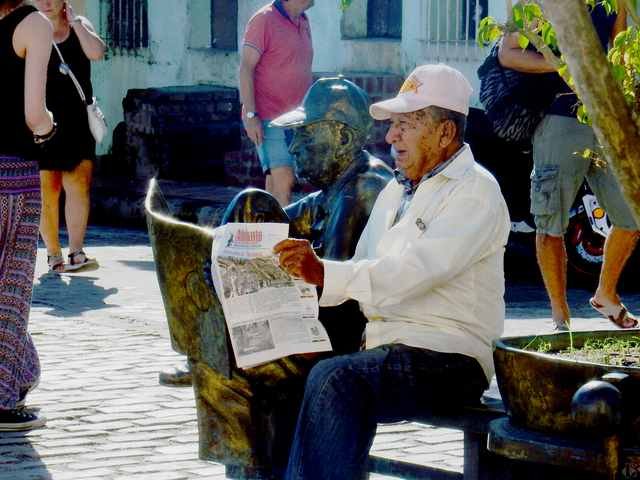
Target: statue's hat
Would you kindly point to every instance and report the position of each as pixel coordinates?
(331, 98)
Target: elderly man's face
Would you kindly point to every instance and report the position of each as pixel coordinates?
(316, 149)
(417, 140)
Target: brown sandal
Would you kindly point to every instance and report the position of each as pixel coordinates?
(56, 263)
(78, 261)
(617, 314)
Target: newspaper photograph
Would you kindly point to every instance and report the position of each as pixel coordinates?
(269, 314)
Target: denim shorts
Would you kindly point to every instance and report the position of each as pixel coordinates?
(274, 149)
(558, 171)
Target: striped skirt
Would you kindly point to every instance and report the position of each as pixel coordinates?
(19, 219)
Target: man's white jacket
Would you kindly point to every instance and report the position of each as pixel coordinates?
(435, 279)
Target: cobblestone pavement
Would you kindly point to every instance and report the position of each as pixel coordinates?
(102, 338)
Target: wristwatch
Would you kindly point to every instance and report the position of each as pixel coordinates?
(251, 115)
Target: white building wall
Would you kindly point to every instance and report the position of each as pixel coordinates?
(169, 60)
(333, 54)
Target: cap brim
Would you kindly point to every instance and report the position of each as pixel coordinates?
(401, 104)
(294, 118)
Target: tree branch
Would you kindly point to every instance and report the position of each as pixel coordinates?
(509, 6)
(546, 52)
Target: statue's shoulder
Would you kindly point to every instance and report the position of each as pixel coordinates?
(376, 175)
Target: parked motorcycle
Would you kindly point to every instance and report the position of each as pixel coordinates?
(588, 229)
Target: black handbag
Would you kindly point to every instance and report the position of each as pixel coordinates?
(515, 102)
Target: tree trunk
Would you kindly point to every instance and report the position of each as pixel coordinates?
(612, 121)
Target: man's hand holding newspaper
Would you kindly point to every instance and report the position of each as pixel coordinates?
(269, 313)
(298, 259)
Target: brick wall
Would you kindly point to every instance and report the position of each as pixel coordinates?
(177, 133)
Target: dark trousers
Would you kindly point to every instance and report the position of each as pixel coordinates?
(346, 396)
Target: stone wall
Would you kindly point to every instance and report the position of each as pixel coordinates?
(177, 133)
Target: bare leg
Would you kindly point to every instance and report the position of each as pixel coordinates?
(51, 186)
(552, 259)
(617, 250)
(282, 180)
(77, 185)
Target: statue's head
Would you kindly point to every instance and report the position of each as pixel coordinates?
(330, 128)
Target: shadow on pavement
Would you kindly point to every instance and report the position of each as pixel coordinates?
(145, 265)
(21, 452)
(69, 296)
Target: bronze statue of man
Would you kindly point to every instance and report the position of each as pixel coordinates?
(331, 128)
(245, 417)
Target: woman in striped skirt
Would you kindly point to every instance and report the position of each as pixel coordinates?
(25, 123)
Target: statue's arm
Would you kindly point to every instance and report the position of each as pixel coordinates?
(300, 215)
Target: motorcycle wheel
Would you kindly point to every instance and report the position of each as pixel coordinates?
(585, 249)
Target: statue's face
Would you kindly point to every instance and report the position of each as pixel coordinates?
(319, 149)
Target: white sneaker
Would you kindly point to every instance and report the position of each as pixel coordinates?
(522, 227)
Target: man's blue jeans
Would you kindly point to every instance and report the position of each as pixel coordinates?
(346, 396)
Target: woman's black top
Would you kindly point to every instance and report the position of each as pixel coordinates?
(15, 137)
(566, 103)
(75, 142)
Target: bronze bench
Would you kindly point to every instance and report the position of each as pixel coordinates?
(240, 412)
(479, 463)
(495, 449)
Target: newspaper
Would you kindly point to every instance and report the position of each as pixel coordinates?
(269, 314)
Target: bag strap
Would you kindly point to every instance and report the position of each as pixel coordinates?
(66, 70)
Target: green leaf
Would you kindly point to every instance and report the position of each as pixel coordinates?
(344, 4)
(621, 39)
(610, 6)
(495, 33)
(488, 31)
(563, 70)
(518, 16)
(583, 117)
(523, 41)
(531, 12)
(548, 35)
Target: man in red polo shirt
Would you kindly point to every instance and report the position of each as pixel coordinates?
(275, 73)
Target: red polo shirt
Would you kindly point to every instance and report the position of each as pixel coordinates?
(283, 73)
